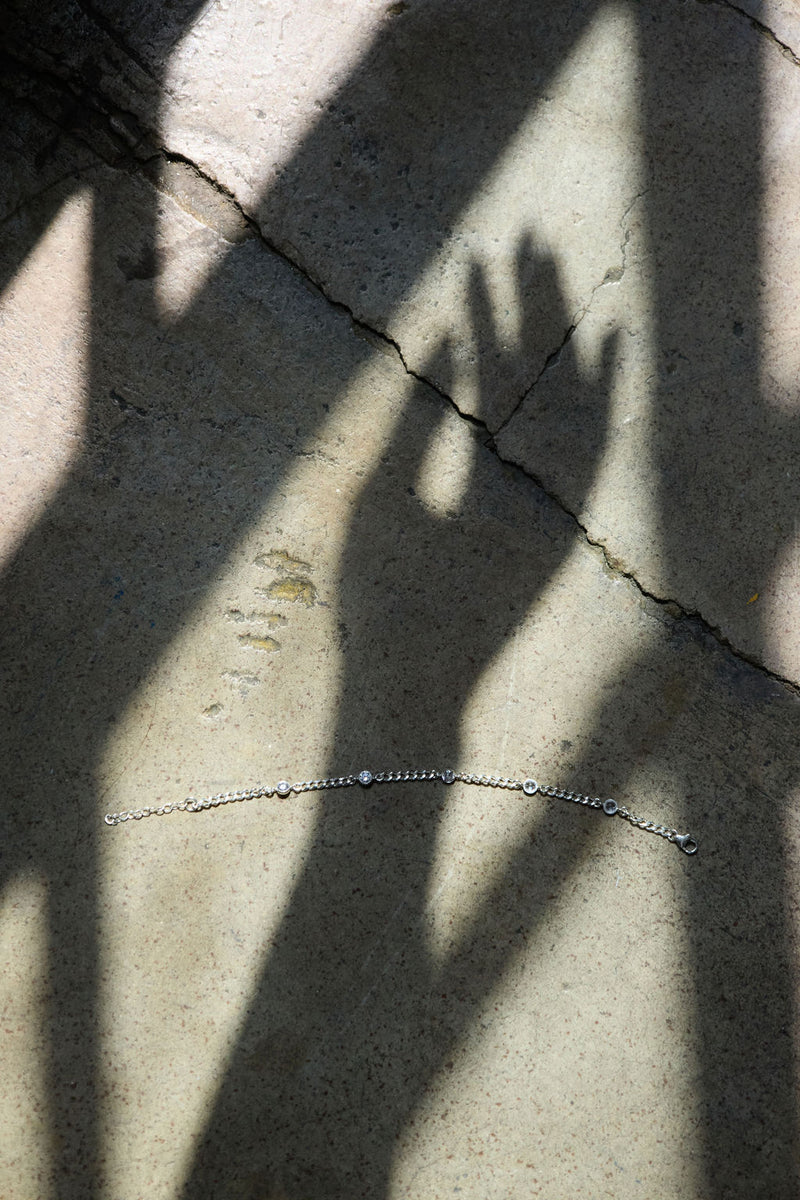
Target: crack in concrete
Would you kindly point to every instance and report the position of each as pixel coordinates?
(613, 564)
(673, 608)
(549, 362)
(612, 275)
(298, 268)
(383, 339)
(783, 47)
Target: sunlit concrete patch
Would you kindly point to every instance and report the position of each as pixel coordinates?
(543, 231)
(780, 237)
(193, 907)
(531, 717)
(561, 1056)
(190, 212)
(190, 913)
(25, 1165)
(774, 608)
(242, 88)
(446, 466)
(44, 320)
(247, 79)
(559, 1086)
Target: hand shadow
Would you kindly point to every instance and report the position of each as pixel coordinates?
(353, 1017)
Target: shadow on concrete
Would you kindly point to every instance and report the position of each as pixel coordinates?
(353, 1019)
(336, 1054)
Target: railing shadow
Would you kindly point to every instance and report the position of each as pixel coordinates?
(337, 1053)
(352, 1019)
(717, 445)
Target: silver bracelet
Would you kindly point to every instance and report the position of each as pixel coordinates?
(366, 778)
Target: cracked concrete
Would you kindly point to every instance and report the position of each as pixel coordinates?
(776, 20)
(550, 431)
(282, 502)
(612, 275)
(175, 181)
(461, 392)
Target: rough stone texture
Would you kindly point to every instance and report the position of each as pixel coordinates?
(680, 454)
(244, 542)
(779, 19)
(416, 181)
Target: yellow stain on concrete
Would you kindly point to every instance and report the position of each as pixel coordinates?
(281, 560)
(257, 642)
(291, 589)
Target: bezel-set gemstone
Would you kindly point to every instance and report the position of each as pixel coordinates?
(448, 776)
(283, 788)
(609, 807)
(530, 787)
(365, 778)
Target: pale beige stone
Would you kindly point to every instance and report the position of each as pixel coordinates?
(27, 1136)
(244, 84)
(279, 555)
(44, 320)
(779, 18)
(677, 453)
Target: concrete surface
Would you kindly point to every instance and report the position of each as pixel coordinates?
(395, 386)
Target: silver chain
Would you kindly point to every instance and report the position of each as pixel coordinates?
(365, 779)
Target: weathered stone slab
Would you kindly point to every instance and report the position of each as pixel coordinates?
(474, 183)
(666, 424)
(431, 186)
(778, 18)
(270, 552)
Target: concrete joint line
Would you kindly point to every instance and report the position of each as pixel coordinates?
(318, 286)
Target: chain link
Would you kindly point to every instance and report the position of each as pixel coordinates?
(366, 778)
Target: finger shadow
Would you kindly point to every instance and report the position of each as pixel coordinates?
(353, 1018)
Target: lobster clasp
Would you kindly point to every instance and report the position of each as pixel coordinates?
(686, 842)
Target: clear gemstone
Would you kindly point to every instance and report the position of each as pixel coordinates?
(448, 776)
(530, 787)
(610, 807)
(365, 778)
(283, 788)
